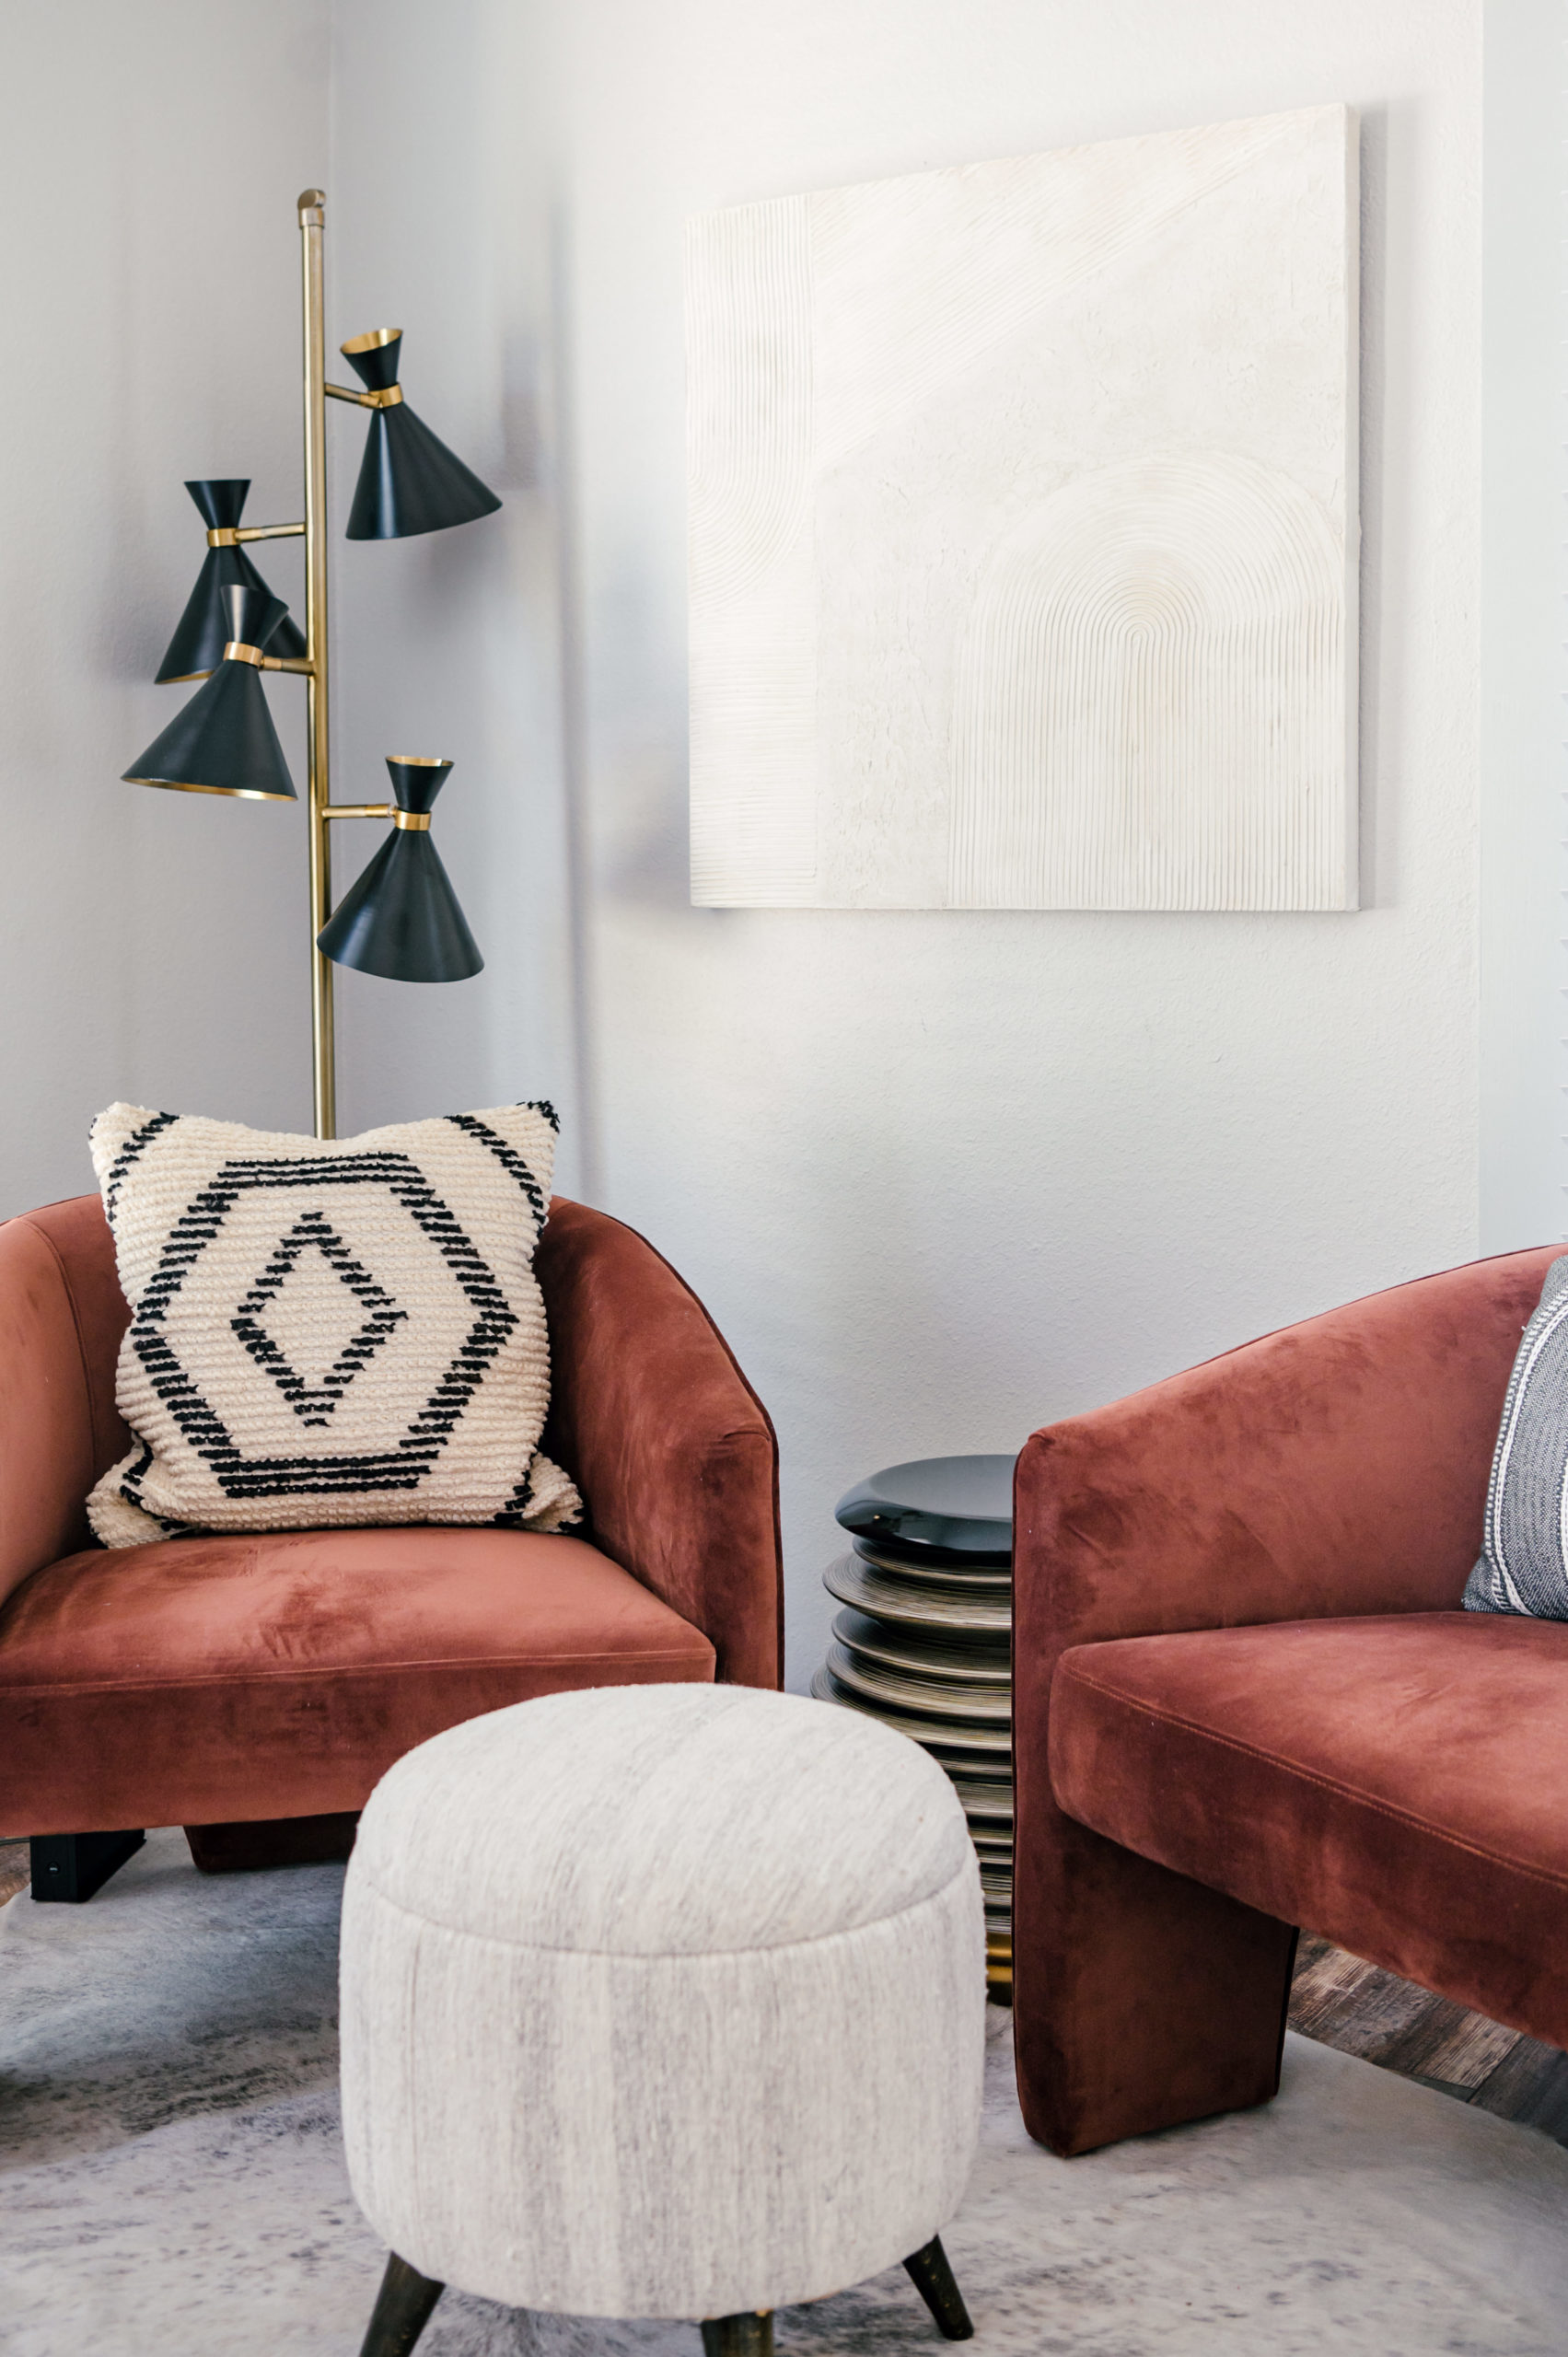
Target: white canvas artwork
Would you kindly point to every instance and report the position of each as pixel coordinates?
(1023, 532)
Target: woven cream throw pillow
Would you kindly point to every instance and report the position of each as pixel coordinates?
(328, 1331)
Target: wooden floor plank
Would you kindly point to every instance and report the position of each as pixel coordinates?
(1448, 2044)
(1341, 2002)
(1530, 2085)
(1361, 2010)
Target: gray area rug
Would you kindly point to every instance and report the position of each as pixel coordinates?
(171, 2181)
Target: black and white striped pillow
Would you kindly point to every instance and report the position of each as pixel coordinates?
(1523, 1566)
(328, 1331)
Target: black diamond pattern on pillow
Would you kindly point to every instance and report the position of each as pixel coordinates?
(408, 1460)
(313, 1402)
(329, 1332)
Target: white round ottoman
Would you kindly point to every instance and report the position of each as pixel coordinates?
(661, 2000)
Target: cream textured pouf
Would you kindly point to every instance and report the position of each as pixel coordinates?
(661, 2000)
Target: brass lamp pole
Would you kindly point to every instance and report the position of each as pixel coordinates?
(318, 755)
(401, 920)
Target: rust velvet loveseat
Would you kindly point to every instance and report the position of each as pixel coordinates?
(255, 1689)
(1246, 1700)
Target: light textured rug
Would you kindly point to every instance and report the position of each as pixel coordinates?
(171, 2181)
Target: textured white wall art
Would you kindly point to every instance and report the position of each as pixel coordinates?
(1023, 542)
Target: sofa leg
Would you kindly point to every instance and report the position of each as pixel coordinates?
(933, 2278)
(742, 2336)
(249, 1848)
(401, 2311)
(1141, 1999)
(71, 1866)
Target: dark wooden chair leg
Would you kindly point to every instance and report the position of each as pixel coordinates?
(71, 1866)
(933, 2278)
(401, 2311)
(742, 2336)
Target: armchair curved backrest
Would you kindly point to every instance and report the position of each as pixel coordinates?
(671, 1448)
(61, 1317)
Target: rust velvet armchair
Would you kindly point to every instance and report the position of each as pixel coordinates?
(254, 1689)
(1246, 1700)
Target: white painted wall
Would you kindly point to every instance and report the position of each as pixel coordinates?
(941, 1177)
(450, 644)
(1524, 775)
(149, 943)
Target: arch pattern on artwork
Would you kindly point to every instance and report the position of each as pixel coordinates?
(1150, 699)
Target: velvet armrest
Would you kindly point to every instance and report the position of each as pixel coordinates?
(672, 1450)
(1337, 1466)
(62, 1315)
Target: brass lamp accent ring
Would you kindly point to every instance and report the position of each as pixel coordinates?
(382, 397)
(416, 822)
(237, 652)
(221, 536)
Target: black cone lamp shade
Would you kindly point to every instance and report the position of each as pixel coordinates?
(409, 480)
(223, 741)
(199, 640)
(401, 918)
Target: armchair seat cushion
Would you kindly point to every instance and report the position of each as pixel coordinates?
(1399, 1782)
(205, 1680)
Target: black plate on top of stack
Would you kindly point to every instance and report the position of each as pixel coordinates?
(924, 1643)
(955, 1509)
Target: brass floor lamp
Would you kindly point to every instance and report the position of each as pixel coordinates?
(402, 918)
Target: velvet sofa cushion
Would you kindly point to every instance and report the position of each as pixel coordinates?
(1398, 1782)
(209, 1681)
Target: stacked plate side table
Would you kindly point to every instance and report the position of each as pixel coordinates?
(924, 1643)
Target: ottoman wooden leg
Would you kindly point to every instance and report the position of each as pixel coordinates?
(742, 2336)
(401, 2311)
(933, 2278)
